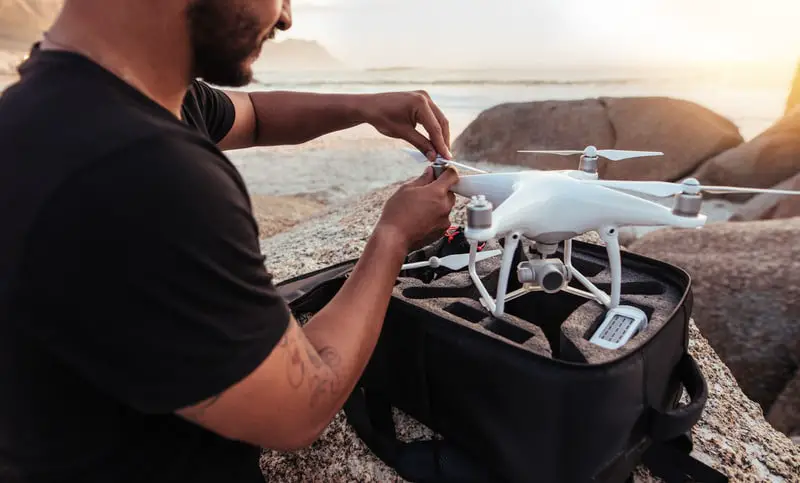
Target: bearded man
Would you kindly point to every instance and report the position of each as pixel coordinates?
(141, 336)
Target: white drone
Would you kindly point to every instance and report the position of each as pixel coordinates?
(552, 206)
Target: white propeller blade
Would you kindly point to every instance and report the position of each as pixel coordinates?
(665, 188)
(419, 156)
(452, 262)
(612, 154)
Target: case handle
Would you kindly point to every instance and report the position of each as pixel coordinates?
(672, 423)
(426, 461)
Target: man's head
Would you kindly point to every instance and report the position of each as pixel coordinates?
(226, 36)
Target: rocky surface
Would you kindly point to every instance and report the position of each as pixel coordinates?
(687, 133)
(765, 161)
(732, 435)
(768, 206)
(275, 214)
(746, 279)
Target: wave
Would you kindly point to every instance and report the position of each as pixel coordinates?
(449, 82)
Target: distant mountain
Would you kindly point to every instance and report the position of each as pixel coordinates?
(296, 54)
(23, 21)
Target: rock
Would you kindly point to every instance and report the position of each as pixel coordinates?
(732, 435)
(768, 206)
(768, 159)
(687, 134)
(275, 214)
(794, 91)
(746, 279)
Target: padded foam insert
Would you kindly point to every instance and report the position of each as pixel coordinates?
(552, 325)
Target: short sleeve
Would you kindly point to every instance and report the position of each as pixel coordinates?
(215, 108)
(144, 275)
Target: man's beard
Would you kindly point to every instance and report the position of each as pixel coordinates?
(223, 37)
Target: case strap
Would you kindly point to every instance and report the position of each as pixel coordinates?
(673, 464)
(672, 423)
(426, 461)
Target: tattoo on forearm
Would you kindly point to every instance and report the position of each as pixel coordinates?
(322, 372)
(327, 383)
(295, 367)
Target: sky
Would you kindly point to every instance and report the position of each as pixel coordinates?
(521, 33)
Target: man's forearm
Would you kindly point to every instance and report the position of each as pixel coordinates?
(284, 117)
(346, 330)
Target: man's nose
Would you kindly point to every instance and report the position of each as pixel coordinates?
(285, 20)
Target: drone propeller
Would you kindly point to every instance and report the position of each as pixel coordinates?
(419, 156)
(664, 189)
(452, 262)
(591, 151)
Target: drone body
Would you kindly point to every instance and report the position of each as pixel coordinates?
(549, 207)
(553, 206)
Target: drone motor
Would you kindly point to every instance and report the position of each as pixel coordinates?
(588, 163)
(479, 213)
(689, 202)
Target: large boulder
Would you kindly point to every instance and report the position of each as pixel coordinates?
(768, 159)
(746, 279)
(732, 435)
(767, 206)
(687, 133)
(794, 92)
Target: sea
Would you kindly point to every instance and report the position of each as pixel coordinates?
(752, 98)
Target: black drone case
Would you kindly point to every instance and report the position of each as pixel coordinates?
(526, 397)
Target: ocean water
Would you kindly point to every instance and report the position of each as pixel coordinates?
(752, 100)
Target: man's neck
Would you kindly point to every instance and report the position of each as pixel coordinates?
(152, 56)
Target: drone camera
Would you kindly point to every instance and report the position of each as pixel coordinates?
(479, 213)
(549, 274)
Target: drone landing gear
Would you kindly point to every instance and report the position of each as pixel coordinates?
(550, 275)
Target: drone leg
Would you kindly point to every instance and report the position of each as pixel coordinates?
(601, 296)
(509, 251)
(610, 236)
(473, 273)
(568, 255)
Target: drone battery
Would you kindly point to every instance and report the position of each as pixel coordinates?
(620, 325)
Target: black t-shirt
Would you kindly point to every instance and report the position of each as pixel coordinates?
(131, 281)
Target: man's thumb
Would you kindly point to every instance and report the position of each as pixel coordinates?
(424, 179)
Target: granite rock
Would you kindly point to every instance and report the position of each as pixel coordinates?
(746, 286)
(687, 133)
(732, 435)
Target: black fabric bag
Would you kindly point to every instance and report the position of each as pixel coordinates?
(526, 397)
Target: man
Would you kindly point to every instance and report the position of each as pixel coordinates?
(141, 337)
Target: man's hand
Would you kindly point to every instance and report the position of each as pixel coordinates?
(397, 114)
(286, 117)
(419, 212)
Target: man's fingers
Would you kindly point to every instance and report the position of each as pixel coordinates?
(444, 123)
(420, 142)
(447, 179)
(431, 124)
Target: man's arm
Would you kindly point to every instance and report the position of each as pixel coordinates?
(293, 395)
(286, 117)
